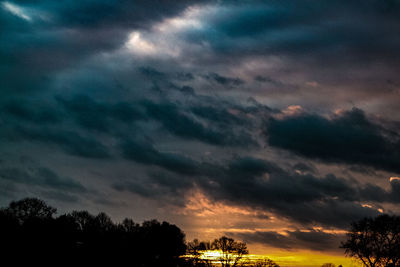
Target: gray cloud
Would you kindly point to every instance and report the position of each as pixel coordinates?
(98, 116)
(222, 80)
(144, 152)
(303, 198)
(349, 138)
(35, 112)
(182, 123)
(312, 239)
(69, 141)
(298, 28)
(43, 177)
(251, 182)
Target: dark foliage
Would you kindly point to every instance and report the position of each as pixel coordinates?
(31, 235)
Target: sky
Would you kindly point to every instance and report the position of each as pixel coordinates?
(274, 122)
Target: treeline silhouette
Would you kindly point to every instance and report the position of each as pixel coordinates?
(31, 235)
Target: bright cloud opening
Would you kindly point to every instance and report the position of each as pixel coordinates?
(137, 44)
(16, 10)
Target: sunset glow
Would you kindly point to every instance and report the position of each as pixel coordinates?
(288, 258)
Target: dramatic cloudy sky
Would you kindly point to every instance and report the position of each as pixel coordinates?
(276, 122)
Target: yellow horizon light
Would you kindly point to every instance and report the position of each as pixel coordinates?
(285, 258)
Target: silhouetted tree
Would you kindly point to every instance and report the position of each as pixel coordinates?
(128, 226)
(163, 243)
(375, 241)
(231, 251)
(83, 220)
(29, 208)
(196, 249)
(328, 265)
(103, 223)
(265, 263)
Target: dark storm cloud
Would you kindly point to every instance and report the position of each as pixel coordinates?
(43, 177)
(115, 13)
(71, 142)
(98, 116)
(51, 36)
(348, 138)
(256, 183)
(313, 239)
(327, 29)
(375, 193)
(264, 181)
(144, 152)
(29, 121)
(222, 80)
(206, 123)
(161, 185)
(154, 74)
(30, 111)
(181, 123)
(218, 116)
(100, 24)
(269, 80)
(303, 198)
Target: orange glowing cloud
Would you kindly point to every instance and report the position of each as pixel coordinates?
(393, 178)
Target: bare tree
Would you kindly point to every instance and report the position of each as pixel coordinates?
(196, 248)
(231, 251)
(83, 219)
(375, 241)
(265, 263)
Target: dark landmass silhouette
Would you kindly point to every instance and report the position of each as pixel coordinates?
(31, 235)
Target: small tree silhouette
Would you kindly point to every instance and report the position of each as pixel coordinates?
(375, 241)
(265, 263)
(29, 208)
(195, 249)
(231, 254)
(232, 251)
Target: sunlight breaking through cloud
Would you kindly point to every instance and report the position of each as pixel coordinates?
(16, 10)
